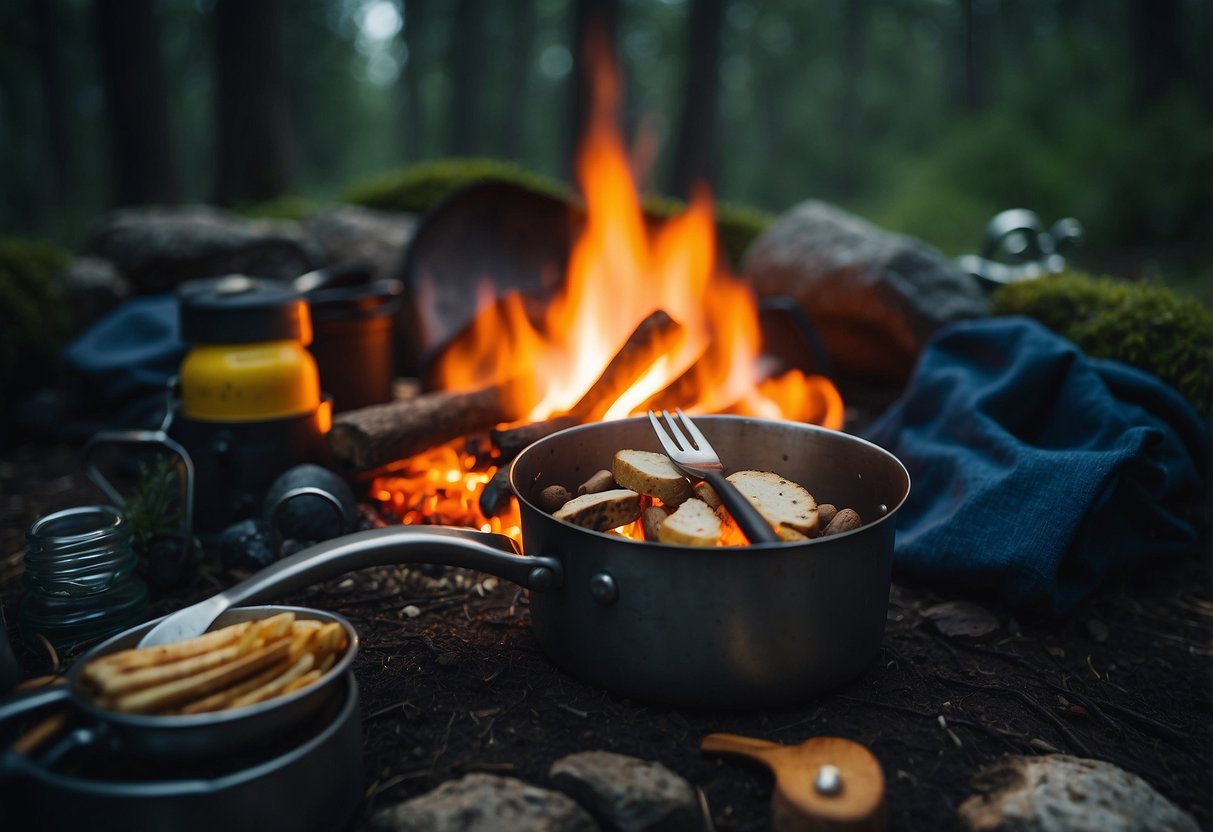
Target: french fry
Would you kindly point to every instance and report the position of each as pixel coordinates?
(230, 668)
(192, 687)
(137, 657)
(275, 686)
(220, 700)
(114, 684)
(304, 680)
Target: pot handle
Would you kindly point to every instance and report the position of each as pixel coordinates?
(449, 546)
(22, 702)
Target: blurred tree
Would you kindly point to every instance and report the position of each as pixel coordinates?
(465, 129)
(587, 15)
(518, 70)
(974, 85)
(695, 145)
(854, 43)
(255, 149)
(1158, 54)
(47, 27)
(418, 40)
(141, 146)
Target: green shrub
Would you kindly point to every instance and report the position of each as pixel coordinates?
(1145, 325)
(33, 314)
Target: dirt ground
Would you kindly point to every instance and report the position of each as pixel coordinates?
(452, 681)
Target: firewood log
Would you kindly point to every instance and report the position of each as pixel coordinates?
(653, 337)
(373, 436)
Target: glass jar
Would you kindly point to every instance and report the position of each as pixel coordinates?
(80, 577)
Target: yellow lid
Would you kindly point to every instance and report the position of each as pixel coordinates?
(249, 382)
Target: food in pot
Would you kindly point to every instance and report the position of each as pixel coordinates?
(602, 511)
(649, 473)
(784, 504)
(234, 667)
(693, 524)
(646, 486)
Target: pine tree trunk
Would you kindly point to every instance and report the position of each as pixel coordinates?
(696, 144)
(141, 154)
(256, 146)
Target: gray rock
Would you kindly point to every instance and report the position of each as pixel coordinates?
(1058, 793)
(157, 248)
(351, 233)
(874, 297)
(93, 287)
(485, 803)
(626, 794)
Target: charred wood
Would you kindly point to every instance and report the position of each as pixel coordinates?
(374, 436)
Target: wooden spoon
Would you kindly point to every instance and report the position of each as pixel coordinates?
(825, 784)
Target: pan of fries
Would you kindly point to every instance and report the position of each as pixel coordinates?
(254, 674)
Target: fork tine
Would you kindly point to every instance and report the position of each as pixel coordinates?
(681, 440)
(701, 441)
(662, 436)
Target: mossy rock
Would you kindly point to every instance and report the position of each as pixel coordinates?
(419, 188)
(34, 316)
(1145, 325)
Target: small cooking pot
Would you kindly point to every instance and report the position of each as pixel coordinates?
(186, 736)
(726, 627)
(309, 779)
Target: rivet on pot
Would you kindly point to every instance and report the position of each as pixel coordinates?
(603, 589)
(541, 578)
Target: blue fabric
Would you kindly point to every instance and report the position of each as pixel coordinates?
(1037, 471)
(129, 355)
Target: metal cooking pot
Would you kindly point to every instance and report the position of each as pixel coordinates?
(314, 783)
(178, 737)
(728, 627)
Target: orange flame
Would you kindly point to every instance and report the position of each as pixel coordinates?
(621, 270)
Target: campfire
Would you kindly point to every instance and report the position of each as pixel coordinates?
(647, 316)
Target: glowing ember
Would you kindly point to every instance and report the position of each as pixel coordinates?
(618, 273)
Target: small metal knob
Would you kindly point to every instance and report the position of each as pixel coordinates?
(603, 588)
(541, 579)
(828, 781)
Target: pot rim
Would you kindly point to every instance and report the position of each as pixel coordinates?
(780, 547)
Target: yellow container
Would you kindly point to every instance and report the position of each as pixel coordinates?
(249, 382)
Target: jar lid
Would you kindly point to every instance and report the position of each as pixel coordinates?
(237, 309)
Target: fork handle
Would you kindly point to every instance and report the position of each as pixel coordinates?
(752, 524)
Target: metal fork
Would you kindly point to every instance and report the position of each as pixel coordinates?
(696, 458)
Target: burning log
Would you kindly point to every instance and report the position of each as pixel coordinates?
(371, 437)
(495, 497)
(511, 441)
(653, 337)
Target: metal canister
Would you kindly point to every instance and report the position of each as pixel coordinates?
(250, 404)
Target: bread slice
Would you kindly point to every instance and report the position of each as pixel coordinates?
(601, 511)
(651, 473)
(693, 524)
(783, 503)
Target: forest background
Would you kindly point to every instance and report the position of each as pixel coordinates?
(925, 116)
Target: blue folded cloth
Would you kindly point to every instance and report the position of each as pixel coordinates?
(1037, 471)
(128, 357)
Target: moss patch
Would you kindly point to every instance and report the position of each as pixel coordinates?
(1147, 326)
(33, 316)
(419, 188)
